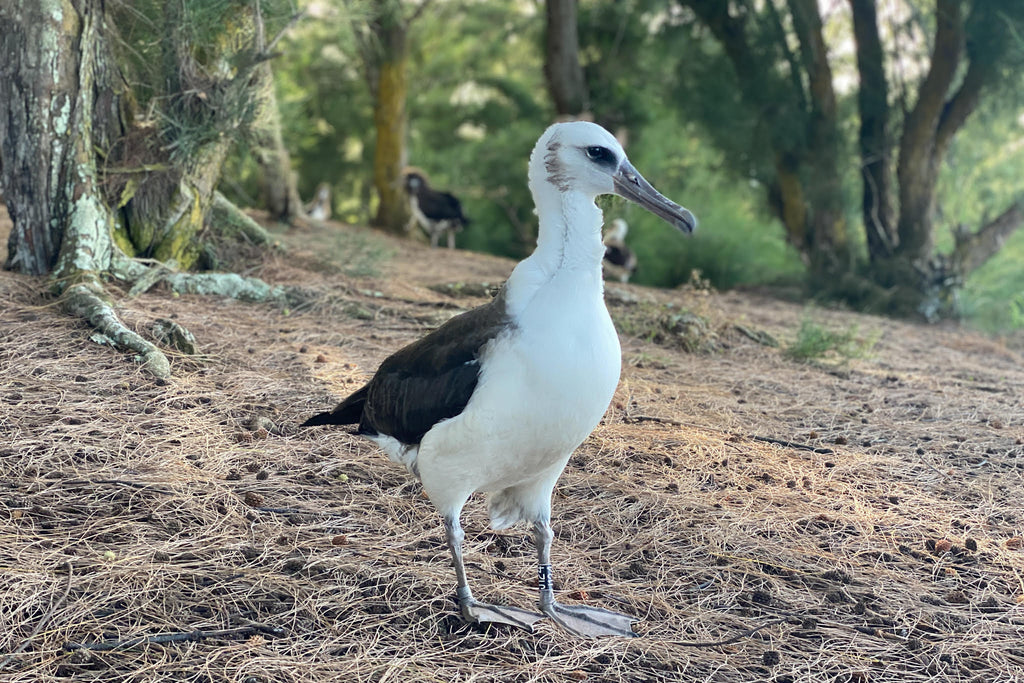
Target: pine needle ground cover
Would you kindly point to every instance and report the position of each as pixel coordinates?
(765, 519)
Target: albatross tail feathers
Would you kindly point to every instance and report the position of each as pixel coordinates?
(349, 411)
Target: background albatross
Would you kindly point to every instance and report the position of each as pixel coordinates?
(498, 398)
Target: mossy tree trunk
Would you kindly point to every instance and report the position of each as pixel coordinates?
(389, 153)
(383, 45)
(87, 184)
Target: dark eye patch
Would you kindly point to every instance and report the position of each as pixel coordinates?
(601, 155)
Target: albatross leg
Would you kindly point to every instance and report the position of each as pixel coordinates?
(588, 622)
(472, 610)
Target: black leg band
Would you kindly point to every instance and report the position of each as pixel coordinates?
(544, 580)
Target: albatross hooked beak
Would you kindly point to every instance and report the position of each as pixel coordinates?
(630, 185)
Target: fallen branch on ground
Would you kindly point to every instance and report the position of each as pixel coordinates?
(177, 637)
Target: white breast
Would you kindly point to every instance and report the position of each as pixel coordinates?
(544, 386)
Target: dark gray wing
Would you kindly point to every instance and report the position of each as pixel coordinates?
(441, 206)
(428, 381)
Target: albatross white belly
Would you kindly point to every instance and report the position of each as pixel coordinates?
(544, 386)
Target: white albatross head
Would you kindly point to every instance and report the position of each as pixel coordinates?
(583, 157)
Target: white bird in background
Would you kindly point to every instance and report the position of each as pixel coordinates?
(498, 398)
(320, 208)
(619, 260)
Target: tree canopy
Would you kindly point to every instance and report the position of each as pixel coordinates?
(866, 152)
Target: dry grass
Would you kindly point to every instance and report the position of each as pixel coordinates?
(871, 515)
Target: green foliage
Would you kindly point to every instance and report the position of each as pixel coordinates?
(816, 343)
(735, 243)
(478, 100)
(180, 59)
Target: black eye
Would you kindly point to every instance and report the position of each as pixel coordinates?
(601, 155)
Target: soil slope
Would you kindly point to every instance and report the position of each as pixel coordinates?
(765, 519)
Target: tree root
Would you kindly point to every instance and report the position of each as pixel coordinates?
(87, 300)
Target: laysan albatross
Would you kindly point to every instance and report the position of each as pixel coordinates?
(436, 212)
(619, 259)
(498, 398)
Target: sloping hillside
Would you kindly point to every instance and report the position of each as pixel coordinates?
(767, 519)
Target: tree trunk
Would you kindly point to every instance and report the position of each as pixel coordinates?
(875, 145)
(389, 155)
(60, 108)
(385, 61)
(33, 67)
(562, 60)
(280, 190)
(829, 248)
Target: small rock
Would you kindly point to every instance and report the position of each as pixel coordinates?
(771, 657)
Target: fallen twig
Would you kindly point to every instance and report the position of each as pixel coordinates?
(791, 444)
(177, 637)
(653, 418)
(732, 639)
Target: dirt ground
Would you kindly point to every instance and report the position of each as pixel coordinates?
(765, 519)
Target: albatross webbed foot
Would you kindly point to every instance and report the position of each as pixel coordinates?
(482, 612)
(590, 622)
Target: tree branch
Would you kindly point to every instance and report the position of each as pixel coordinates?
(794, 66)
(418, 12)
(984, 47)
(807, 24)
(921, 122)
(875, 145)
(177, 637)
(972, 251)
